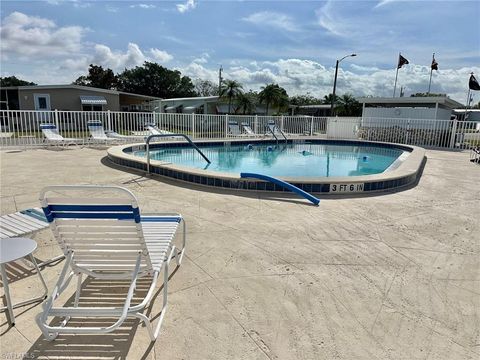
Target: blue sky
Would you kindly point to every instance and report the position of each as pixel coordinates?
(292, 43)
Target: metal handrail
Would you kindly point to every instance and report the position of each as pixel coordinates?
(147, 145)
(279, 130)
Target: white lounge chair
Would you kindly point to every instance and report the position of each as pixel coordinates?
(97, 133)
(114, 135)
(234, 129)
(248, 130)
(273, 129)
(22, 223)
(104, 236)
(53, 137)
(154, 130)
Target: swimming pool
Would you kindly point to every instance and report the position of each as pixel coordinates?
(283, 160)
(313, 165)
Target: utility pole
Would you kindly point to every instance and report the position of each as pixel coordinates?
(220, 79)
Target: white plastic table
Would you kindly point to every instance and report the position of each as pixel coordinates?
(12, 249)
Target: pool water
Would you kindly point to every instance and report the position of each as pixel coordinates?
(283, 160)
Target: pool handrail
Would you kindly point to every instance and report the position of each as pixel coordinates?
(272, 130)
(283, 184)
(147, 146)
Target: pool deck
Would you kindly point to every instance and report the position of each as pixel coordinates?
(392, 276)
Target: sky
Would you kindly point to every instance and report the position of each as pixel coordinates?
(292, 43)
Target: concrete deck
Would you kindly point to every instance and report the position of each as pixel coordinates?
(395, 276)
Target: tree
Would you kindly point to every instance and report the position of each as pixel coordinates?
(153, 79)
(230, 90)
(246, 102)
(274, 95)
(348, 106)
(205, 88)
(327, 99)
(98, 77)
(14, 81)
(307, 99)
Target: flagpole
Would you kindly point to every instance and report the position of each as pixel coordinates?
(396, 76)
(431, 71)
(467, 104)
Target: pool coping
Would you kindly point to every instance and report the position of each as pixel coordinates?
(403, 175)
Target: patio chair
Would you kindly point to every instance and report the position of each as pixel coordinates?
(234, 129)
(97, 133)
(22, 223)
(154, 130)
(114, 135)
(53, 137)
(273, 129)
(104, 236)
(248, 129)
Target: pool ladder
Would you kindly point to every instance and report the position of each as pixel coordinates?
(147, 146)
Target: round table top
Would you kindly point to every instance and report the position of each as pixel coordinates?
(15, 248)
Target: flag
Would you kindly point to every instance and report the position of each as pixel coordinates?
(401, 61)
(434, 64)
(473, 83)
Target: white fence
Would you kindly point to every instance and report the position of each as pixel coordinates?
(22, 128)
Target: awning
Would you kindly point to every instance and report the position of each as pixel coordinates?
(93, 100)
(189, 109)
(171, 109)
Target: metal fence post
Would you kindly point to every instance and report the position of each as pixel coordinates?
(311, 126)
(56, 118)
(255, 125)
(453, 134)
(109, 121)
(226, 125)
(193, 125)
(281, 122)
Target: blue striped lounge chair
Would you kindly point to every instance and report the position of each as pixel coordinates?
(53, 137)
(104, 236)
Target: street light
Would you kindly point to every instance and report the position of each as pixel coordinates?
(335, 82)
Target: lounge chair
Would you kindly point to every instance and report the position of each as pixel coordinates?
(248, 129)
(115, 135)
(273, 129)
(104, 236)
(234, 129)
(22, 223)
(97, 133)
(154, 130)
(53, 137)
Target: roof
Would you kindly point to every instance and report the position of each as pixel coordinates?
(78, 87)
(194, 98)
(413, 100)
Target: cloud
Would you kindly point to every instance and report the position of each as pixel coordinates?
(160, 55)
(300, 76)
(189, 5)
(272, 19)
(384, 2)
(143, 6)
(111, 9)
(24, 35)
(328, 20)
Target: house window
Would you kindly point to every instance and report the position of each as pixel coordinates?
(92, 107)
(42, 101)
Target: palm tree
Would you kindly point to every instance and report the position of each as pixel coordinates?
(272, 94)
(348, 106)
(246, 102)
(230, 89)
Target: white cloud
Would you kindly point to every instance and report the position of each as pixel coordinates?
(143, 6)
(272, 19)
(116, 60)
(160, 55)
(299, 76)
(189, 5)
(24, 35)
(328, 20)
